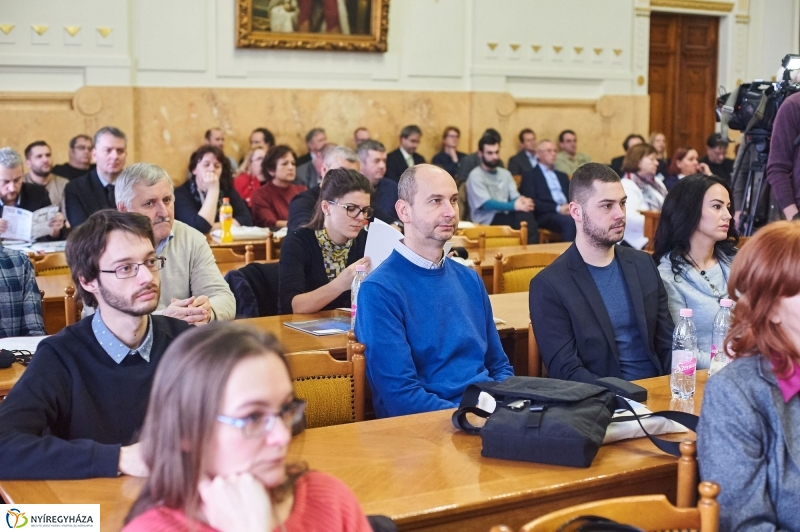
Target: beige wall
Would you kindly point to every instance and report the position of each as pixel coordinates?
(164, 125)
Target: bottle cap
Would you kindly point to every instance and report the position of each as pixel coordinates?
(226, 200)
(727, 303)
(361, 268)
(686, 313)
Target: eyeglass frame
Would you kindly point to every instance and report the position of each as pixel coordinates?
(160, 261)
(294, 410)
(366, 211)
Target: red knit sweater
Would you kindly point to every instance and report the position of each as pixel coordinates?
(321, 504)
(270, 203)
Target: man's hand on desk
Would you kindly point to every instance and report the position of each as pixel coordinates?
(131, 461)
(194, 310)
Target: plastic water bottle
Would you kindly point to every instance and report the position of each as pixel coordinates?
(722, 322)
(226, 220)
(361, 273)
(684, 357)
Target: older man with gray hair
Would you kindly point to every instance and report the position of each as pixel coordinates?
(192, 287)
(373, 165)
(301, 208)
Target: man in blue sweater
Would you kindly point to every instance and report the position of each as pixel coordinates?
(426, 321)
(77, 409)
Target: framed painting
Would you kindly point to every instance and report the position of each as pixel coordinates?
(352, 25)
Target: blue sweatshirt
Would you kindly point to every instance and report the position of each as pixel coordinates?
(429, 334)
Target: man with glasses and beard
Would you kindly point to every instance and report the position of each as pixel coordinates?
(600, 310)
(492, 193)
(77, 409)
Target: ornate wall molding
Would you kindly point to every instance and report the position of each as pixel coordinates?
(694, 5)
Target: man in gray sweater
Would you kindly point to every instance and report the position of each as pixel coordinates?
(192, 287)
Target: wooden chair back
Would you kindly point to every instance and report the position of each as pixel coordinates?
(44, 318)
(535, 366)
(464, 242)
(333, 389)
(49, 263)
(228, 256)
(546, 236)
(73, 307)
(271, 245)
(497, 235)
(514, 273)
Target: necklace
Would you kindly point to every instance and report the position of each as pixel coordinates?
(714, 289)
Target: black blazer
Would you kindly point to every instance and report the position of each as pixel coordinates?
(305, 158)
(396, 164)
(33, 197)
(616, 164)
(83, 196)
(571, 324)
(519, 164)
(533, 185)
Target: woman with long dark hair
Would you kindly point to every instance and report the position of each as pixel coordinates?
(318, 261)
(694, 246)
(747, 438)
(215, 440)
(197, 201)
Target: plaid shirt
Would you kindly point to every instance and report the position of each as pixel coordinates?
(20, 301)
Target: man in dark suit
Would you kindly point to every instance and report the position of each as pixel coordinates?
(631, 140)
(549, 189)
(94, 191)
(525, 159)
(601, 310)
(315, 140)
(405, 156)
(29, 196)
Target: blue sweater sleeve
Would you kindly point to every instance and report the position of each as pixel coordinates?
(391, 372)
(495, 205)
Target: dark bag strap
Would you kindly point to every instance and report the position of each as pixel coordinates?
(670, 447)
(470, 397)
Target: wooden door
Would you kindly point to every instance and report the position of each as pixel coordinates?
(683, 78)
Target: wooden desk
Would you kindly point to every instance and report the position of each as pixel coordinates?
(261, 249)
(486, 256)
(9, 377)
(426, 475)
(295, 340)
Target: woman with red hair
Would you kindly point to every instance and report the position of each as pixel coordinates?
(748, 439)
(684, 162)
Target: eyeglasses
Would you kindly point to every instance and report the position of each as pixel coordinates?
(257, 425)
(354, 210)
(126, 271)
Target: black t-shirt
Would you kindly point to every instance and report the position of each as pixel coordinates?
(69, 171)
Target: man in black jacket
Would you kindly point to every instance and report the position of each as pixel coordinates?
(77, 409)
(525, 159)
(630, 141)
(601, 310)
(405, 156)
(94, 191)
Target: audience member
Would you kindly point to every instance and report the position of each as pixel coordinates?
(631, 140)
(40, 172)
(493, 196)
(79, 405)
(684, 162)
(473, 160)
(525, 159)
(302, 206)
(262, 138)
(21, 304)
(95, 190)
(449, 158)
(645, 189)
(197, 201)
(747, 436)
(695, 244)
(270, 203)
(549, 189)
(31, 197)
(405, 156)
(318, 262)
(409, 305)
(569, 158)
(215, 137)
(360, 135)
(718, 164)
(372, 155)
(659, 142)
(80, 158)
(315, 140)
(601, 310)
(192, 287)
(252, 175)
(216, 439)
(309, 174)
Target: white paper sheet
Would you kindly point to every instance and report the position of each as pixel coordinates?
(19, 343)
(381, 241)
(27, 225)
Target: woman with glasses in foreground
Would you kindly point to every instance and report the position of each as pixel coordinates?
(747, 439)
(318, 262)
(216, 437)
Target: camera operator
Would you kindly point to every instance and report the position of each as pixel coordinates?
(783, 166)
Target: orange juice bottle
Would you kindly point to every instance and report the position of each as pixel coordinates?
(226, 220)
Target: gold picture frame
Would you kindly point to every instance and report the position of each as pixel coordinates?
(351, 25)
